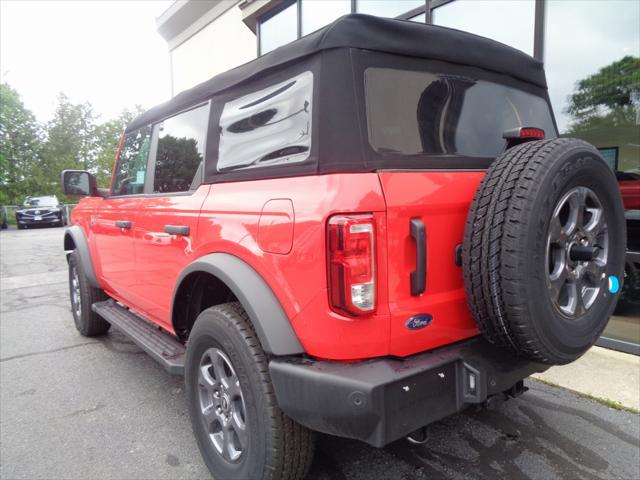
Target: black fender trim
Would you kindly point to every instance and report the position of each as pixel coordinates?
(74, 239)
(265, 311)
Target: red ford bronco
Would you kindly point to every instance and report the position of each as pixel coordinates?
(359, 233)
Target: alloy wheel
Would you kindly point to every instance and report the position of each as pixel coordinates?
(577, 252)
(222, 405)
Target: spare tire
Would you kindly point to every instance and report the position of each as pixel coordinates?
(544, 248)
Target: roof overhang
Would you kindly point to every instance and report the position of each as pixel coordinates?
(253, 9)
(185, 18)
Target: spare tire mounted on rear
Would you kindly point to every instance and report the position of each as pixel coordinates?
(544, 249)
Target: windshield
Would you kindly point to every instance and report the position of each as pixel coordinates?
(422, 113)
(40, 202)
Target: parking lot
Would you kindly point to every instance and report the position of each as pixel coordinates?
(73, 407)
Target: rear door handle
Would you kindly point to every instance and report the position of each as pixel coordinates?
(183, 230)
(123, 224)
(419, 275)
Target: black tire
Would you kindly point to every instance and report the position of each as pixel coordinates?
(87, 322)
(21, 227)
(513, 291)
(275, 446)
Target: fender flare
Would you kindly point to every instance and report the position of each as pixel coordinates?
(74, 239)
(264, 309)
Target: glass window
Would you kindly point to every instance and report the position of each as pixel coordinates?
(180, 153)
(592, 61)
(412, 112)
(132, 163)
(318, 13)
(280, 29)
(269, 127)
(422, 18)
(508, 21)
(387, 8)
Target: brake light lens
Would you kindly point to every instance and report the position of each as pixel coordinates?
(351, 258)
(529, 132)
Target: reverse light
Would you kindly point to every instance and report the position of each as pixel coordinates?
(351, 258)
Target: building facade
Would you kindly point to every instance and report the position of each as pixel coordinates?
(591, 52)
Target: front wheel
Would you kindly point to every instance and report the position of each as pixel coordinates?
(240, 430)
(82, 296)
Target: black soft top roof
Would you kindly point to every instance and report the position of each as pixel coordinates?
(401, 37)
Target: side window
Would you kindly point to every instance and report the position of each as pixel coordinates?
(131, 168)
(180, 153)
(269, 127)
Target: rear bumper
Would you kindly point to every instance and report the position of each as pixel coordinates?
(379, 401)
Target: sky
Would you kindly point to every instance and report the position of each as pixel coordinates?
(105, 52)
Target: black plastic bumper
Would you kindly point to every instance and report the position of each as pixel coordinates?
(379, 401)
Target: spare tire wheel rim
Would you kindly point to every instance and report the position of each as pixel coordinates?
(222, 405)
(577, 252)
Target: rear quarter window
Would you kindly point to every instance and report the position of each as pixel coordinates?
(268, 127)
(423, 113)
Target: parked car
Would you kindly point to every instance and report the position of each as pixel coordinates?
(629, 183)
(40, 211)
(359, 233)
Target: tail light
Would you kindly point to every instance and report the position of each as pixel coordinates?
(351, 258)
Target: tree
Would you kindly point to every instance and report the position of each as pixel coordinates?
(20, 143)
(609, 97)
(70, 142)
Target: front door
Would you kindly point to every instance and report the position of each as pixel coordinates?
(168, 219)
(114, 222)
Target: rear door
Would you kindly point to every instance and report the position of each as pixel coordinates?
(168, 219)
(432, 135)
(114, 221)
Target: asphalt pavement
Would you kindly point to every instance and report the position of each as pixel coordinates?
(78, 408)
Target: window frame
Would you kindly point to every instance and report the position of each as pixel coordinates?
(117, 160)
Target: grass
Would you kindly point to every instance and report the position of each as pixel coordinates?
(603, 401)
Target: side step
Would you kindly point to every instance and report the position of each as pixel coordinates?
(162, 346)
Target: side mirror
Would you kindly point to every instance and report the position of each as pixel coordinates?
(79, 183)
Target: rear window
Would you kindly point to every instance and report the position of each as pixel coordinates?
(422, 113)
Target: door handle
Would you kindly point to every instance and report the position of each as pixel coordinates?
(123, 224)
(419, 275)
(183, 230)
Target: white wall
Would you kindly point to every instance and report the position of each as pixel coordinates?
(223, 44)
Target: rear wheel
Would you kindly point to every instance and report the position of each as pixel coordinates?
(544, 250)
(239, 428)
(82, 296)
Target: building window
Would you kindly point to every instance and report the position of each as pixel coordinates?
(279, 29)
(508, 21)
(316, 14)
(301, 17)
(387, 8)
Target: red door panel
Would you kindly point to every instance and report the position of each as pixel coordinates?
(114, 245)
(441, 201)
(161, 256)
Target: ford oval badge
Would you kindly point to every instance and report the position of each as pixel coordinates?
(418, 321)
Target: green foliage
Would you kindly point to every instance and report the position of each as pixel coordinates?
(33, 156)
(608, 98)
(20, 144)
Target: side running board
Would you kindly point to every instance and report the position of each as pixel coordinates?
(162, 346)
